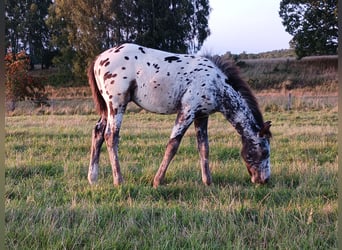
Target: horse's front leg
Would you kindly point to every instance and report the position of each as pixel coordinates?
(183, 121)
(96, 143)
(112, 140)
(201, 126)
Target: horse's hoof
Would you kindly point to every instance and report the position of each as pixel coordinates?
(155, 184)
(207, 181)
(118, 182)
(92, 180)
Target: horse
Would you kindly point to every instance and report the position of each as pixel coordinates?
(167, 83)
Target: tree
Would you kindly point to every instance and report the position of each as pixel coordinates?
(313, 24)
(25, 27)
(82, 29)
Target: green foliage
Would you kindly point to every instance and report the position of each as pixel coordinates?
(50, 205)
(313, 24)
(25, 26)
(93, 26)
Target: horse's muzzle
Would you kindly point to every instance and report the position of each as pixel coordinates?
(258, 177)
(258, 180)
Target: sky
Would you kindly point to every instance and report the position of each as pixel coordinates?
(250, 26)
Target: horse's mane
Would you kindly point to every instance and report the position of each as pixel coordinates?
(239, 85)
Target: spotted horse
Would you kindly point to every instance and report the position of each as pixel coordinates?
(166, 83)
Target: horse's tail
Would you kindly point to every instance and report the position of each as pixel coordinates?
(100, 103)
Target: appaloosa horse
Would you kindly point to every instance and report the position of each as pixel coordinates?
(191, 86)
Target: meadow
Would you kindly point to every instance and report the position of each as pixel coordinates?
(50, 205)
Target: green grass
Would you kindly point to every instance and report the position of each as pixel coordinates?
(50, 205)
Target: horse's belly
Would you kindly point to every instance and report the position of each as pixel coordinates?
(157, 98)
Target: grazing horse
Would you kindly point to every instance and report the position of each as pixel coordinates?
(191, 86)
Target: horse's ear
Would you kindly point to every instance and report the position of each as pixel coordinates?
(265, 131)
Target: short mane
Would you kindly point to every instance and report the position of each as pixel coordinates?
(239, 85)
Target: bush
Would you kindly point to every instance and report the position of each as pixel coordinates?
(20, 85)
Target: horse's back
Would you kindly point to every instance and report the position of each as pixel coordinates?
(155, 80)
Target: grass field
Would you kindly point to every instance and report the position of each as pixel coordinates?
(50, 205)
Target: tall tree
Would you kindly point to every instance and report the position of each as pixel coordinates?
(25, 27)
(313, 24)
(91, 26)
(80, 29)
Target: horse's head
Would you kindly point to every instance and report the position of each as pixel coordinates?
(256, 154)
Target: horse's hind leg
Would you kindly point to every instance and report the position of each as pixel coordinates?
(201, 126)
(96, 143)
(112, 141)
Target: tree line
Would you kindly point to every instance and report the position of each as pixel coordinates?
(78, 30)
(81, 29)
(75, 31)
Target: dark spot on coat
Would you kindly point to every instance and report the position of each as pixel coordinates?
(104, 61)
(126, 58)
(118, 49)
(107, 75)
(136, 58)
(111, 110)
(142, 50)
(123, 68)
(148, 64)
(125, 77)
(112, 82)
(169, 59)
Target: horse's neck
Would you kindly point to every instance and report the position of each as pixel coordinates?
(237, 112)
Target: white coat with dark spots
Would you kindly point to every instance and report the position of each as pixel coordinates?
(191, 86)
